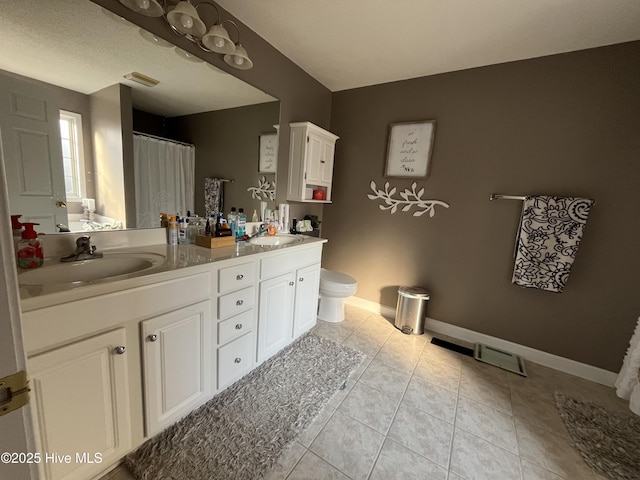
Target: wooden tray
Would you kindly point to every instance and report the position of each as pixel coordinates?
(214, 242)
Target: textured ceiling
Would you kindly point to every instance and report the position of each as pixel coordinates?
(74, 44)
(353, 43)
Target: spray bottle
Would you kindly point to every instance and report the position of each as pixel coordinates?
(173, 230)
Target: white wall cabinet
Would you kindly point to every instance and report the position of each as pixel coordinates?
(311, 155)
(81, 404)
(179, 364)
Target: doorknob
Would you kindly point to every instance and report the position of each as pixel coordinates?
(61, 204)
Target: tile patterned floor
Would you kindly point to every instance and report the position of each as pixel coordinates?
(416, 410)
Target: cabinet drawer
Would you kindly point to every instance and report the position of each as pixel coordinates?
(235, 326)
(235, 302)
(279, 264)
(235, 359)
(235, 277)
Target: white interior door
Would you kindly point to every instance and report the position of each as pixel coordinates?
(30, 142)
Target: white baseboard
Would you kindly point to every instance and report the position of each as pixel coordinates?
(556, 362)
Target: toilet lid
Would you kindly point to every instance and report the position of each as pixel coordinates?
(336, 277)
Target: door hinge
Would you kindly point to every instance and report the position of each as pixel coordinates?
(14, 392)
(307, 138)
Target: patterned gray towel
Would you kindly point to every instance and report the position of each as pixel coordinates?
(550, 233)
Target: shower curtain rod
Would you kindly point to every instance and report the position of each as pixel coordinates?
(497, 196)
(142, 134)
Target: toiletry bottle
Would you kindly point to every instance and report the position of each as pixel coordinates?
(30, 254)
(242, 224)
(207, 228)
(254, 217)
(16, 226)
(173, 230)
(164, 222)
(232, 218)
(182, 232)
(272, 228)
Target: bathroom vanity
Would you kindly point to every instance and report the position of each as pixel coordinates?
(112, 363)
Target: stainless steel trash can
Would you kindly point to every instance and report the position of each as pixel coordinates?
(411, 310)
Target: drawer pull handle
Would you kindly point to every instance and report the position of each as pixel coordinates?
(291, 284)
(153, 337)
(237, 360)
(238, 326)
(239, 302)
(239, 277)
(120, 350)
(301, 279)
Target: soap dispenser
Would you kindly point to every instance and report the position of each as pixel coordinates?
(30, 254)
(16, 226)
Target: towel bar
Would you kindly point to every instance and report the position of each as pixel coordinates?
(497, 196)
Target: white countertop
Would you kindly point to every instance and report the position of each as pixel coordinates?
(179, 258)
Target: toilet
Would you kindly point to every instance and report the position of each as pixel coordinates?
(334, 287)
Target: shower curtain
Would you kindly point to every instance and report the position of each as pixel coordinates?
(164, 179)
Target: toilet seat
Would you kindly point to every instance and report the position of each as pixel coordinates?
(328, 277)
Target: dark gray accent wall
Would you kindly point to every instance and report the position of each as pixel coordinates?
(227, 147)
(562, 125)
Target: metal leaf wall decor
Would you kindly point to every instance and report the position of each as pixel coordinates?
(264, 190)
(408, 199)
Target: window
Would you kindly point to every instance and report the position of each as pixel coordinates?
(72, 155)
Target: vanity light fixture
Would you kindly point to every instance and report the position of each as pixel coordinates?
(239, 59)
(148, 8)
(184, 20)
(142, 79)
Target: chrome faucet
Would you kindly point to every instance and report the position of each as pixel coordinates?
(262, 229)
(84, 251)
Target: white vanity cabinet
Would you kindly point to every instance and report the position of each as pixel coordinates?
(80, 396)
(179, 364)
(311, 156)
(288, 298)
(236, 313)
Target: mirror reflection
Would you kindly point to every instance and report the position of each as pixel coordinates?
(74, 114)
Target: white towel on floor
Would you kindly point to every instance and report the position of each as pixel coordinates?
(627, 383)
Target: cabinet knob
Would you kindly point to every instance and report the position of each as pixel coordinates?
(291, 284)
(239, 277)
(321, 161)
(239, 302)
(153, 337)
(120, 350)
(301, 279)
(237, 360)
(238, 326)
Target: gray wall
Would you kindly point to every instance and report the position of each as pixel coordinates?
(227, 147)
(563, 125)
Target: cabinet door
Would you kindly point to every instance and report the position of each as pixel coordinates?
(326, 161)
(178, 357)
(315, 157)
(306, 300)
(81, 405)
(275, 315)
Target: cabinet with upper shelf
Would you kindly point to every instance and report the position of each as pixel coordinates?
(311, 155)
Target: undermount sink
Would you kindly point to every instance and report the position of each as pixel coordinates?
(87, 271)
(276, 240)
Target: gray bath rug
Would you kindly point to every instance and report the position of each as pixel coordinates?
(241, 432)
(608, 441)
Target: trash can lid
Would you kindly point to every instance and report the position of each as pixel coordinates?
(415, 292)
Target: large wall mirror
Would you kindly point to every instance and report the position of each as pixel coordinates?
(69, 109)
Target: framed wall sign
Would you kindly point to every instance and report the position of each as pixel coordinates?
(268, 153)
(409, 149)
